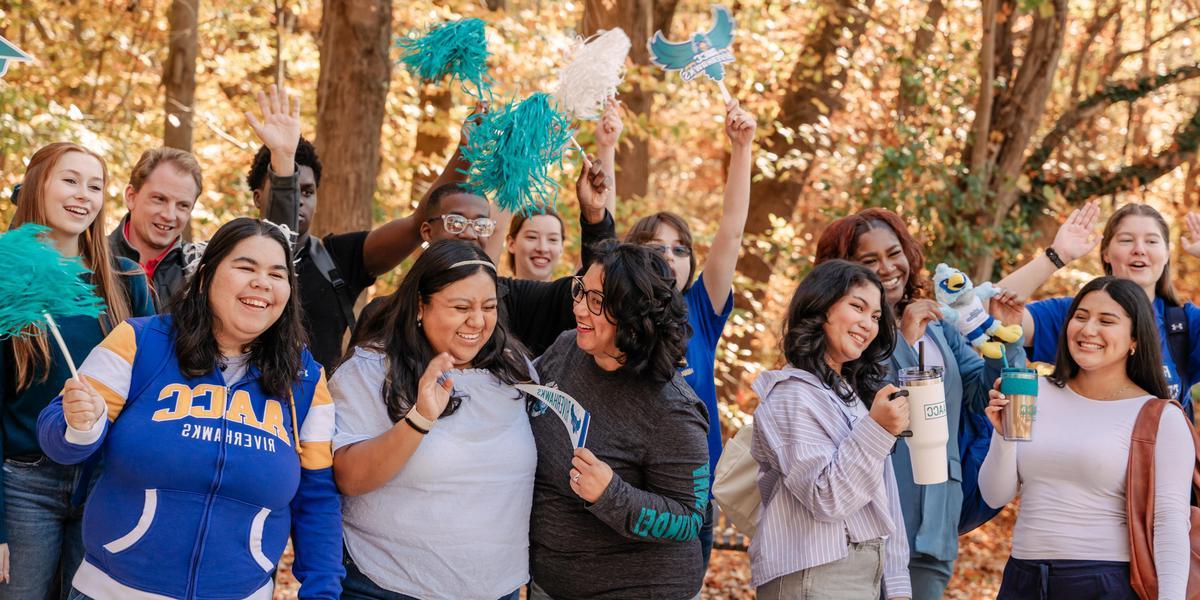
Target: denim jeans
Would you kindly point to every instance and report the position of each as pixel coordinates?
(357, 586)
(856, 577)
(45, 538)
(706, 536)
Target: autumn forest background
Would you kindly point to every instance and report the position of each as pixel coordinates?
(982, 121)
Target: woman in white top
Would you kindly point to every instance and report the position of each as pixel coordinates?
(1071, 539)
(433, 451)
(831, 526)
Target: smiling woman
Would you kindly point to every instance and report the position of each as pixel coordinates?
(1073, 523)
(63, 190)
(434, 452)
(222, 389)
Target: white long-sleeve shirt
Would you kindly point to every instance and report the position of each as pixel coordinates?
(1071, 478)
(825, 477)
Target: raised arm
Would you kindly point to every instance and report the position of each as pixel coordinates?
(608, 133)
(723, 256)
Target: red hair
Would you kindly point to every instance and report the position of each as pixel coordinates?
(840, 240)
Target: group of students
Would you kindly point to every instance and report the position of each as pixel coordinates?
(201, 434)
(841, 515)
(231, 399)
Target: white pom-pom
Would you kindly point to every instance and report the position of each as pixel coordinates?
(594, 70)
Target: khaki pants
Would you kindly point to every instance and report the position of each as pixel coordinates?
(856, 577)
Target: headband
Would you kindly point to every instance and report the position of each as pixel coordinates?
(464, 263)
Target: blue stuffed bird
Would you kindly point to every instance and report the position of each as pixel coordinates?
(674, 56)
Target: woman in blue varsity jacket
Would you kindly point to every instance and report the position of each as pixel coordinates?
(216, 425)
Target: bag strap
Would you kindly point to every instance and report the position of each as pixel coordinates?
(324, 262)
(1178, 342)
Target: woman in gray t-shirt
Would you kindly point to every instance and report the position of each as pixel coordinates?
(619, 518)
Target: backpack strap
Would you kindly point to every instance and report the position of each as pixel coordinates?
(324, 262)
(1178, 342)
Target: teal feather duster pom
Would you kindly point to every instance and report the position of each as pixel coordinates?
(511, 150)
(454, 48)
(38, 281)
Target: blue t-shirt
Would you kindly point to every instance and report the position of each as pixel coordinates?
(699, 372)
(1050, 315)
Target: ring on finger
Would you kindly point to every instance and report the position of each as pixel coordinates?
(575, 478)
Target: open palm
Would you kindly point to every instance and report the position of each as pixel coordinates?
(279, 129)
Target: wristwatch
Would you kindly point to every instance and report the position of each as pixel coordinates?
(417, 421)
(1054, 257)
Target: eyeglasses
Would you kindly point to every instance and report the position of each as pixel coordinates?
(595, 300)
(456, 224)
(678, 250)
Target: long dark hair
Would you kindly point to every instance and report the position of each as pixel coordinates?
(392, 328)
(840, 240)
(1144, 366)
(804, 341)
(641, 300)
(277, 352)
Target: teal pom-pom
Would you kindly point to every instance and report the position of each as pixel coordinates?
(511, 151)
(38, 280)
(454, 48)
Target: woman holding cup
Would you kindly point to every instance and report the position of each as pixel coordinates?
(878, 239)
(1072, 536)
(823, 433)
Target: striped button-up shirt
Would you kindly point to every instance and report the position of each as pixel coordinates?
(826, 480)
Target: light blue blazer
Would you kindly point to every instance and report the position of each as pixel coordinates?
(931, 511)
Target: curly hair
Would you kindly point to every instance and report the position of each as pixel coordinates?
(277, 352)
(306, 156)
(641, 300)
(804, 343)
(392, 328)
(840, 240)
(1144, 366)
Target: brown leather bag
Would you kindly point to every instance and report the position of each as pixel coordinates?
(1139, 505)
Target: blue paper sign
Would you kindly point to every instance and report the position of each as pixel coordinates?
(573, 416)
(706, 53)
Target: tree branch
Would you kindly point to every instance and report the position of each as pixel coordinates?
(1124, 91)
(1184, 26)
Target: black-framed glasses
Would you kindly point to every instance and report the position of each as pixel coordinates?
(595, 300)
(678, 250)
(456, 224)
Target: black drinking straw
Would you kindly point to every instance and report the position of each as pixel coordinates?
(921, 355)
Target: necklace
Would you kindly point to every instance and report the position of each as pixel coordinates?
(1115, 395)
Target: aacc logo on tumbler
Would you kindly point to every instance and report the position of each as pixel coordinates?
(935, 411)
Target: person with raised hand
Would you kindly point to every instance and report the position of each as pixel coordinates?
(707, 288)
(1072, 536)
(41, 500)
(215, 425)
(1135, 245)
(831, 523)
(434, 453)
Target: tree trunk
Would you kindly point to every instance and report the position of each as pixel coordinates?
(1018, 110)
(179, 73)
(351, 96)
(638, 18)
(814, 91)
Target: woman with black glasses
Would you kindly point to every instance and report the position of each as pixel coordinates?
(628, 506)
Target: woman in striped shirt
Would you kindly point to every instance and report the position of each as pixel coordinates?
(831, 526)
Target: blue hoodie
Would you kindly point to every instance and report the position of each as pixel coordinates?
(202, 481)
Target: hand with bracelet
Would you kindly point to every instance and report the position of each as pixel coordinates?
(1076, 237)
(433, 394)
